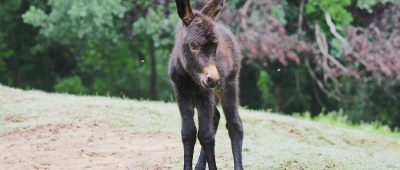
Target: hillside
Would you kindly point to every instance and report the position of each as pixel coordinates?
(39, 130)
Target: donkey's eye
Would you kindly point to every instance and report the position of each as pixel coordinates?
(194, 47)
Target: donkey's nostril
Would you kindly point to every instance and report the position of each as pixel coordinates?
(209, 80)
(211, 83)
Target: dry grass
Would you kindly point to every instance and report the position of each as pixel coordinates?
(271, 141)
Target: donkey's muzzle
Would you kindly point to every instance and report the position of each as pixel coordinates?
(210, 76)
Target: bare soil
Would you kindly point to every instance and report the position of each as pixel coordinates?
(86, 146)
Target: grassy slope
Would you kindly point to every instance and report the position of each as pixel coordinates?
(271, 141)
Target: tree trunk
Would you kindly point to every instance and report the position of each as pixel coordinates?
(279, 99)
(153, 72)
(316, 101)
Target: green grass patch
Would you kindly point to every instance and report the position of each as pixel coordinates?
(338, 118)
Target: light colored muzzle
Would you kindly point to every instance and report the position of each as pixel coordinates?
(209, 76)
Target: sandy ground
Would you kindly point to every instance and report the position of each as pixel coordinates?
(56, 131)
(86, 146)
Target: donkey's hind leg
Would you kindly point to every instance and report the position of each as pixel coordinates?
(201, 163)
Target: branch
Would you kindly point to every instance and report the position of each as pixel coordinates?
(334, 32)
(323, 47)
(301, 13)
(243, 13)
(319, 83)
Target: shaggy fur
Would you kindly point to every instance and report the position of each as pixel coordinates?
(204, 65)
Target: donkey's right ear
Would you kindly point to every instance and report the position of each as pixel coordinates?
(213, 8)
(184, 11)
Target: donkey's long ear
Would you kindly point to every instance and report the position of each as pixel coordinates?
(213, 8)
(184, 11)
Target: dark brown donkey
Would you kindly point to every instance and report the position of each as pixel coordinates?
(205, 63)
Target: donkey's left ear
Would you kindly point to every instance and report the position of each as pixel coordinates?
(184, 11)
(213, 8)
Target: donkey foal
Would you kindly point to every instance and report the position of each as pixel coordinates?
(205, 63)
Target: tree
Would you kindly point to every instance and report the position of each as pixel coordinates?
(90, 28)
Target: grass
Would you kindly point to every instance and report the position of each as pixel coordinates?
(340, 119)
(272, 141)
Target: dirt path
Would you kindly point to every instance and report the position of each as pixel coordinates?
(86, 146)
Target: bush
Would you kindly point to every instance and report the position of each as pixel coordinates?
(71, 85)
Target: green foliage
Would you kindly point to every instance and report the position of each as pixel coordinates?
(264, 83)
(157, 26)
(370, 102)
(5, 55)
(18, 64)
(368, 4)
(77, 19)
(156, 31)
(278, 12)
(90, 28)
(235, 3)
(285, 89)
(70, 85)
(336, 48)
(109, 70)
(336, 9)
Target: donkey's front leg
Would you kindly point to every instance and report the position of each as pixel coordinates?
(205, 107)
(201, 163)
(233, 122)
(188, 130)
